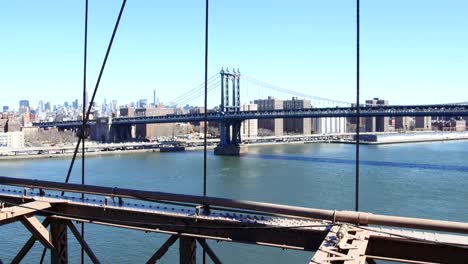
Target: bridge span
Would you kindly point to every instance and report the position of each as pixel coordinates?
(365, 111)
(347, 236)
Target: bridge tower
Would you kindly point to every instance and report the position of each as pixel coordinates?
(230, 136)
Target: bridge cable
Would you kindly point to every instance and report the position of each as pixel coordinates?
(264, 84)
(205, 129)
(194, 97)
(193, 90)
(83, 128)
(211, 87)
(358, 112)
(86, 118)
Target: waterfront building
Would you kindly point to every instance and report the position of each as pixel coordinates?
(457, 125)
(404, 123)
(127, 111)
(423, 123)
(377, 124)
(297, 125)
(153, 131)
(249, 128)
(12, 139)
(329, 125)
(274, 126)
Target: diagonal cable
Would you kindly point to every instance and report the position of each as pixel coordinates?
(86, 118)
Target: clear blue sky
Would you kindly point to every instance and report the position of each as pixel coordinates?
(413, 51)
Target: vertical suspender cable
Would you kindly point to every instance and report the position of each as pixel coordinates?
(103, 66)
(358, 110)
(83, 128)
(206, 99)
(205, 123)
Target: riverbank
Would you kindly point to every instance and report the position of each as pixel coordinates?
(400, 138)
(369, 139)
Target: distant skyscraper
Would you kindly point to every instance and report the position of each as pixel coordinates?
(23, 103)
(23, 106)
(154, 97)
(41, 106)
(75, 104)
(5, 108)
(47, 107)
(143, 103)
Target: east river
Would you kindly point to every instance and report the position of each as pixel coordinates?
(420, 180)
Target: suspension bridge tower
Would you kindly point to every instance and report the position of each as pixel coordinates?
(230, 136)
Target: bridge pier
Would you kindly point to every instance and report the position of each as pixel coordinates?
(230, 139)
(105, 131)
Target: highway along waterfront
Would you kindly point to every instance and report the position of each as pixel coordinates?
(428, 180)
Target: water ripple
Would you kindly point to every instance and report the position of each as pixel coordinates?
(362, 162)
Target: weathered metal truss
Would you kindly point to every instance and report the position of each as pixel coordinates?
(192, 223)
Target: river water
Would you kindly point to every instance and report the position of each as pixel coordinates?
(420, 180)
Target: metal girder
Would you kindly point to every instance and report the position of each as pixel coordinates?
(416, 251)
(343, 244)
(187, 250)
(209, 251)
(411, 246)
(83, 243)
(37, 230)
(304, 239)
(163, 249)
(9, 214)
(352, 217)
(58, 230)
(28, 245)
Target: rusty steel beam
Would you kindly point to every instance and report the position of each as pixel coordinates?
(163, 249)
(13, 213)
(37, 230)
(300, 238)
(308, 239)
(83, 243)
(209, 251)
(28, 245)
(413, 251)
(359, 218)
(187, 250)
(58, 230)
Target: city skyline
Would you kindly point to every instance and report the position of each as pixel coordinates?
(409, 50)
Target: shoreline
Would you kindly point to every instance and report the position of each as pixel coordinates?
(399, 141)
(198, 148)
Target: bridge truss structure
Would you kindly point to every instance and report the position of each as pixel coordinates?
(365, 111)
(334, 236)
